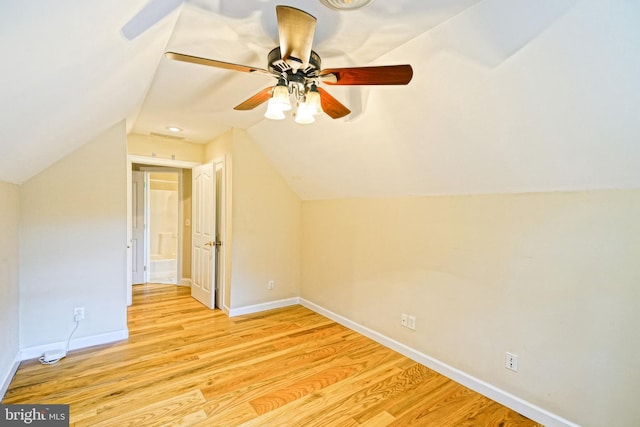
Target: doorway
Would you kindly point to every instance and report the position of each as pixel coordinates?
(139, 244)
(157, 231)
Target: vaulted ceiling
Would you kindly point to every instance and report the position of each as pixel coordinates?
(507, 95)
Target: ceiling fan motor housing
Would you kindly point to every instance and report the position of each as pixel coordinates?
(280, 67)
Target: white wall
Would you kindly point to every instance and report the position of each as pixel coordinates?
(9, 211)
(73, 246)
(551, 277)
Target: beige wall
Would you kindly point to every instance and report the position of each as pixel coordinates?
(9, 317)
(265, 238)
(73, 244)
(550, 277)
(164, 148)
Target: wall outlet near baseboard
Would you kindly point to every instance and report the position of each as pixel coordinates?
(408, 321)
(271, 284)
(78, 314)
(412, 323)
(511, 362)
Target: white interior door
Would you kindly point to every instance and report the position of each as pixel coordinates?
(137, 223)
(203, 226)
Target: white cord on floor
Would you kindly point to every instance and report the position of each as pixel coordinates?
(51, 362)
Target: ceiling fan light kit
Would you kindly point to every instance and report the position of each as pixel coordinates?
(308, 103)
(346, 4)
(298, 70)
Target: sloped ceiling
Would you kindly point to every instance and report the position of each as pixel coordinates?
(507, 95)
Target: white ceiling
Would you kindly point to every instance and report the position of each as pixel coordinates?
(507, 95)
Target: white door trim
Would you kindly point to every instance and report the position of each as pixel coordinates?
(137, 245)
(154, 161)
(221, 218)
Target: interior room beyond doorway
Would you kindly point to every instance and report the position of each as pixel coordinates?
(161, 225)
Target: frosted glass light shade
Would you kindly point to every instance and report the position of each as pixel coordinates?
(274, 111)
(280, 97)
(304, 115)
(313, 102)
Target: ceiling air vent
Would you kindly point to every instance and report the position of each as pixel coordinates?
(346, 4)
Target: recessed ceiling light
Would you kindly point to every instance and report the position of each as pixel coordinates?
(345, 4)
(174, 129)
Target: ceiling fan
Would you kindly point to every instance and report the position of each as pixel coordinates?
(298, 71)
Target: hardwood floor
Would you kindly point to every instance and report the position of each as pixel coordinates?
(186, 365)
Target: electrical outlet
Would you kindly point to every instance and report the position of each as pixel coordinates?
(403, 319)
(271, 284)
(78, 314)
(511, 362)
(412, 323)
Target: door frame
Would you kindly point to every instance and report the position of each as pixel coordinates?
(221, 230)
(147, 161)
(138, 218)
(222, 286)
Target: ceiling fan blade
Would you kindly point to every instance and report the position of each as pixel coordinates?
(296, 29)
(257, 99)
(381, 75)
(214, 63)
(332, 106)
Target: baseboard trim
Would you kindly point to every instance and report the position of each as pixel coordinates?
(185, 282)
(8, 376)
(507, 399)
(249, 309)
(78, 343)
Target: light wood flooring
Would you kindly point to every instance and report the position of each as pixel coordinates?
(186, 365)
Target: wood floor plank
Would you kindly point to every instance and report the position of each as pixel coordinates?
(330, 406)
(276, 398)
(154, 412)
(380, 419)
(184, 364)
